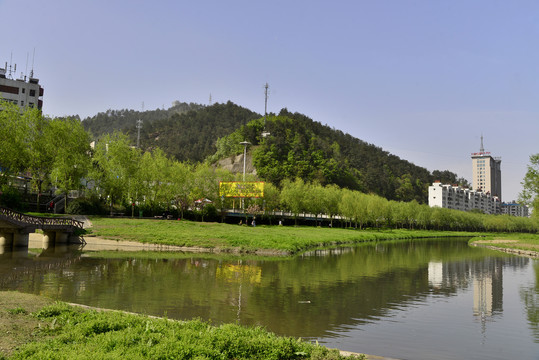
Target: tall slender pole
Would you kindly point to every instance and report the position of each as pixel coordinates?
(244, 158)
(265, 103)
(244, 143)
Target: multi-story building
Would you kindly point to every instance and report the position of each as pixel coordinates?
(515, 209)
(463, 199)
(487, 174)
(21, 92)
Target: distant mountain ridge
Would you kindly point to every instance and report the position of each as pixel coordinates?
(125, 120)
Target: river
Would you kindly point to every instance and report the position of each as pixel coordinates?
(422, 299)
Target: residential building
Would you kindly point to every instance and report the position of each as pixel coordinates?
(515, 209)
(487, 175)
(22, 92)
(463, 199)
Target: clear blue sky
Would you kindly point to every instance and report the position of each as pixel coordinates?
(421, 79)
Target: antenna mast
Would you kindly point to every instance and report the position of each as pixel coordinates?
(210, 99)
(264, 132)
(33, 58)
(482, 148)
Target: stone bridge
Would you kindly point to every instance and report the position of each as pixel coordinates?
(15, 228)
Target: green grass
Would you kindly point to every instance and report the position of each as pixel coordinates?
(67, 332)
(517, 241)
(285, 239)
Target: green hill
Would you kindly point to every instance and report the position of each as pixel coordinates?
(301, 147)
(126, 120)
(297, 147)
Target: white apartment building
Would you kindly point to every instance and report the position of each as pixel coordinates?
(20, 91)
(515, 209)
(487, 174)
(463, 199)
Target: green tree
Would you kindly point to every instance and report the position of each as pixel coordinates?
(15, 134)
(405, 189)
(332, 200)
(293, 197)
(183, 174)
(43, 156)
(315, 200)
(530, 184)
(158, 176)
(72, 157)
(116, 169)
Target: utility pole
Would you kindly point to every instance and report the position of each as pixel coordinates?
(139, 126)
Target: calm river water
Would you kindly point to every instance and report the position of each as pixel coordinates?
(428, 299)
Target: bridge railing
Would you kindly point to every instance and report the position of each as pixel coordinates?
(38, 221)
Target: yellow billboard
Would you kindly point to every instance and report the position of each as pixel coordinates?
(242, 189)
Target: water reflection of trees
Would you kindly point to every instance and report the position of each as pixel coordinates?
(24, 270)
(308, 296)
(530, 298)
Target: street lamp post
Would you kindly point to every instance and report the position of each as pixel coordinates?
(244, 143)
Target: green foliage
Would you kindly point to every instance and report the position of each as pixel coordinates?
(302, 148)
(126, 120)
(52, 151)
(17, 310)
(16, 136)
(115, 168)
(192, 136)
(209, 213)
(77, 334)
(87, 206)
(72, 160)
(530, 192)
(10, 197)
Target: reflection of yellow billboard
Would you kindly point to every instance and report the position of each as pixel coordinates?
(242, 189)
(239, 273)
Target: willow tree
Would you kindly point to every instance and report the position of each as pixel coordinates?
(115, 169)
(530, 192)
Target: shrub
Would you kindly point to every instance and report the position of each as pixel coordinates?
(11, 198)
(86, 206)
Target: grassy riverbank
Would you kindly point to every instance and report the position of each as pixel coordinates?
(37, 328)
(511, 242)
(226, 237)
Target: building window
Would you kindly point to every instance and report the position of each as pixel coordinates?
(32, 93)
(23, 90)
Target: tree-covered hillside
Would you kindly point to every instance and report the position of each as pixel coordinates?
(301, 147)
(192, 136)
(297, 147)
(125, 120)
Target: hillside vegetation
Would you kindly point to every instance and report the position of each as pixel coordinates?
(297, 147)
(126, 120)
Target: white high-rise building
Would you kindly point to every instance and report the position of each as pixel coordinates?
(487, 173)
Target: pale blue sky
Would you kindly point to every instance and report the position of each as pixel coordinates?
(421, 79)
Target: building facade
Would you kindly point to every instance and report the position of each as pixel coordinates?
(21, 92)
(463, 199)
(515, 209)
(487, 173)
